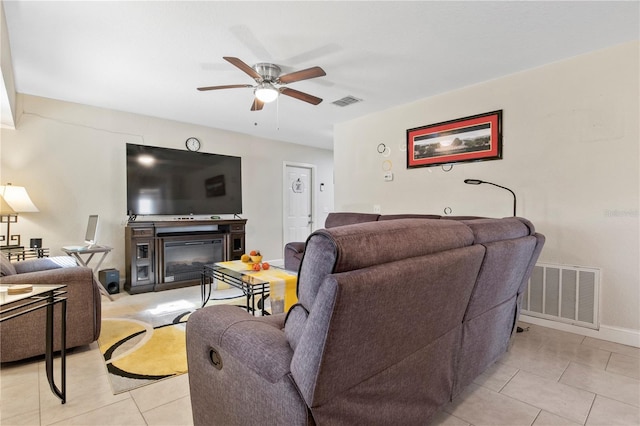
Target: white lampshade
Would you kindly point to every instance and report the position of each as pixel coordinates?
(17, 198)
(266, 93)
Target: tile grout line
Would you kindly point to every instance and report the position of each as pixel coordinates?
(508, 381)
(590, 408)
(138, 407)
(537, 416)
(608, 361)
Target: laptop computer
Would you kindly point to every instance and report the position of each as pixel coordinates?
(89, 236)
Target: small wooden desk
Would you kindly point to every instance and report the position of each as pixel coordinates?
(79, 251)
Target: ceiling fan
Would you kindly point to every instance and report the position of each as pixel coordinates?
(269, 82)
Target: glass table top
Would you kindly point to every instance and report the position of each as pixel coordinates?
(37, 290)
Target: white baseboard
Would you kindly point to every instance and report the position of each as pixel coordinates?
(624, 336)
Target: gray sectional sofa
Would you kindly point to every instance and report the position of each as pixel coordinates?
(393, 319)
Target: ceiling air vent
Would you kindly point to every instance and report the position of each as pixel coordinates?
(347, 100)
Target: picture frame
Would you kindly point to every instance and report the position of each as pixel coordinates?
(467, 139)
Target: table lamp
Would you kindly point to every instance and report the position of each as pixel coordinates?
(478, 182)
(16, 200)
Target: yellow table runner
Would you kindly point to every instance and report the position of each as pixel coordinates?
(277, 278)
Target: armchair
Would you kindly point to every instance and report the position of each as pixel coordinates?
(24, 337)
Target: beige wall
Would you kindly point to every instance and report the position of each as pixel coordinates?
(71, 158)
(7, 88)
(571, 138)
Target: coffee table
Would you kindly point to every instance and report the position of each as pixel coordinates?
(42, 296)
(281, 284)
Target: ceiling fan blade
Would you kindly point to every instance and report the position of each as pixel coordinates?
(302, 75)
(230, 86)
(244, 67)
(257, 104)
(300, 95)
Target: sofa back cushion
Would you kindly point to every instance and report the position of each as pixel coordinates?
(408, 216)
(366, 244)
(348, 248)
(45, 263)
(347, 218)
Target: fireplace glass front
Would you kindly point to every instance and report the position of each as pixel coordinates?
(184, 260)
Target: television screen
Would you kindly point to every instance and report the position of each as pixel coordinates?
(163, 181)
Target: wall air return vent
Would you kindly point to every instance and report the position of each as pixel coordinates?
(564, 293)
(347, 100)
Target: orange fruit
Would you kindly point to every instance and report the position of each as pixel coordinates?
(253, 253)
(265, 266)
(256, 266)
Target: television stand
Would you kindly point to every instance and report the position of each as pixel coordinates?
(161, 255)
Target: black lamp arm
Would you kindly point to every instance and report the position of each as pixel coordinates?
(478, 182)
(512, 193)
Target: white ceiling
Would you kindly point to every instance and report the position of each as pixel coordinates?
(149, 57)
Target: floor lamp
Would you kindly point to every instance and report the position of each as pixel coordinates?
(478, 182)
(16, 200)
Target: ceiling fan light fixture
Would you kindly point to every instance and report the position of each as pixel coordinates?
(266, 93)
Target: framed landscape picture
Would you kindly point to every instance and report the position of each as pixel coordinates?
(475, 138)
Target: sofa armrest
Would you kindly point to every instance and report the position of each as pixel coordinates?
(295, 247)
(249, 378)
(83, 292)
(293, 253)
(51, 276)
(259, 344)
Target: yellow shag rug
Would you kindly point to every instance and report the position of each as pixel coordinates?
(142, 350)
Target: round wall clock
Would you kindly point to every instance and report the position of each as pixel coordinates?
(193, 144)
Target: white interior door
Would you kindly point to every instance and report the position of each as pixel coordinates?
(298, 212)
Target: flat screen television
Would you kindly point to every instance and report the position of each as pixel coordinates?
(164, 181)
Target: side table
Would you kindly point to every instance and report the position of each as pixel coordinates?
(42, 296)
(79, 251)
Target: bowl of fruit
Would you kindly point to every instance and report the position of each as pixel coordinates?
(255, 256)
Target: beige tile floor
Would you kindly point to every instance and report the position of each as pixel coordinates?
(549, 377)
